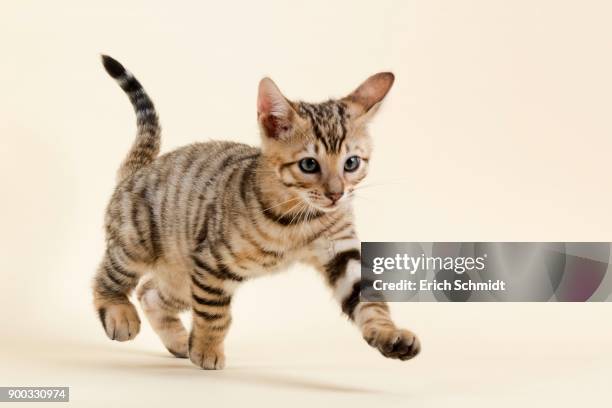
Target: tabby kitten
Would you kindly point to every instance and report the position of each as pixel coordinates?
(193, 224)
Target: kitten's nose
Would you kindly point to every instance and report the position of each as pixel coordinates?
(334, 196)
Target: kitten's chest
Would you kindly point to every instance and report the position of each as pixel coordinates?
(257, 249)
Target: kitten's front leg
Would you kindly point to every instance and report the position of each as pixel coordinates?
(211, 320)
(341, 267)
(206, 345)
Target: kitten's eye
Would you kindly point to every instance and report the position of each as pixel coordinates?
(309, 165)
(352, 163)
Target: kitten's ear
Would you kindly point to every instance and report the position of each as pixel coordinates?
(367, 97)
(274, 112)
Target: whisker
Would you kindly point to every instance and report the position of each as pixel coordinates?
(297, 213)
(303, 224)
(284, 202)
(363, 197)
(381, 184)
(288, 211)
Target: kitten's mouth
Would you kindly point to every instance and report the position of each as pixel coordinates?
(328, 206)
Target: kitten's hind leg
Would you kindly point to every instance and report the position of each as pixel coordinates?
(116, 277)
(162, 311)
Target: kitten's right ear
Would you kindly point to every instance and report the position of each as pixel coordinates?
(274, 111)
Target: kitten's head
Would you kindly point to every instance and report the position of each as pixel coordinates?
(320, 151)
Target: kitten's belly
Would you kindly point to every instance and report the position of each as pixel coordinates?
(174, 276)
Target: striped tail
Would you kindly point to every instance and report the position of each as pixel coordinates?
(146, 146)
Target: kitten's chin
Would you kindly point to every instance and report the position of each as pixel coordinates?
(330, 207)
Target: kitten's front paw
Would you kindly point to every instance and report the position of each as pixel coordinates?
(208, 357)
(393, 343)
(120, 321)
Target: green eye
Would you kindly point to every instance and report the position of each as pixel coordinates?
(352, 163)
(308, 165)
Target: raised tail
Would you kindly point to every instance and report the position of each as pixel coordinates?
(146, 146)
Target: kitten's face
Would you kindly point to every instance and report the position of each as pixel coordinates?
(326, 156)
(320, 151)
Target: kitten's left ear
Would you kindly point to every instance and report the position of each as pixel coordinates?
(367, 97)
(274, 112)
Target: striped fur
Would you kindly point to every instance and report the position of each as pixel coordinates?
(193, 224)
(146, 146)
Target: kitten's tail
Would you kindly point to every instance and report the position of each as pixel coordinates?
(146, 146)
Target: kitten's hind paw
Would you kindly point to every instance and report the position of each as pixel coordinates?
(179, 352)
(120, 321)
(394, 343)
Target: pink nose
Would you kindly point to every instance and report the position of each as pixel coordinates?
(334, 196)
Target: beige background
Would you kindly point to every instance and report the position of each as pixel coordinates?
(498, 128)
